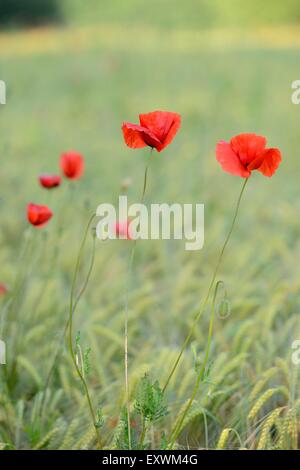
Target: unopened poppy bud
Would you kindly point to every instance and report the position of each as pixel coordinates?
(224, 308)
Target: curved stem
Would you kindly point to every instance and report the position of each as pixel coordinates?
(71, 312)
(177, 427)
(203, 306)
(127, 315)
(51, 370)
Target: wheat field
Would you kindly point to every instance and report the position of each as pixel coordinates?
(71, 88)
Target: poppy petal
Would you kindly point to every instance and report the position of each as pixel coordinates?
(163, 124)
(136, 136)
(271, 159)
(248, 146)
(172, 132)
(229, 161)
(133, 136)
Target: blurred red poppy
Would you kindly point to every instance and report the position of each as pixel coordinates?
(114, 421)
(156, 130)
(245, 153)
(49, 181)
(38, 215)
(122, 230)
(72, 165)
(3, 289)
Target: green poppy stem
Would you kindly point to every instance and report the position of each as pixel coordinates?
(131, 260)
(204, 304)
(65, 330)
(71, 312)
(178, 425)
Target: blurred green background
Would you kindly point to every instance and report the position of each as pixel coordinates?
(226, 67)
(161, 13)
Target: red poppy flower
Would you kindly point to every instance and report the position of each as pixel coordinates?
(156, 130)
(3, 289)
(122, 230)
(49, 181)
(72, 165)
(245, 153)
(38, 215)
